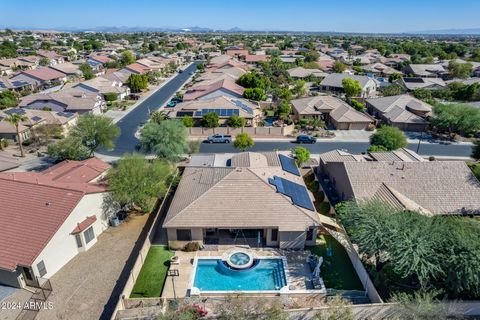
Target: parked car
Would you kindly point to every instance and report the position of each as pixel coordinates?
(177, 99)
(171, 104)
(303, 138)
(219, 138)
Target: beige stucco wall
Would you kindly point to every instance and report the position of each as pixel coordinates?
(292, 239)
(268, 237)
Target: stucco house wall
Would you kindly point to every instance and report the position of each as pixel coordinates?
(63, 247)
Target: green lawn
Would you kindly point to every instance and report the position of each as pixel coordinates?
(151, 279)
(337, 271)
(475, 167)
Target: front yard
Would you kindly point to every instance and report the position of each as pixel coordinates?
(151, 279)
(337, 270)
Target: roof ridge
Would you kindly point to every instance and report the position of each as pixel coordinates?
(43, 185)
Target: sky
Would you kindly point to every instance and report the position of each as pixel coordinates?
(384, 16)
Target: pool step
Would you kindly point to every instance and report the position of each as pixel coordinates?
(278, 278)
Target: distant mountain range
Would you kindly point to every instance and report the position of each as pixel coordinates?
(197, 29)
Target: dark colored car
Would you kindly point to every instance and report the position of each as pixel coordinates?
(303, 138)
(177, 99)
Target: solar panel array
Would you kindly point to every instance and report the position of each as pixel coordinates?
(243, 106)
(15, 111)
(295, 191)
(65, 114)
(219, 112)
(288, 164)
(36, 118)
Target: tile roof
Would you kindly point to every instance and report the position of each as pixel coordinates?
(339, 110)
(433, 187)
(44, 74)
(200, 91)
(220, 102)
(335, 80)
(82, 226)
(48, 198)
(237, 197)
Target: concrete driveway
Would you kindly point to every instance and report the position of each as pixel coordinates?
(83, 287)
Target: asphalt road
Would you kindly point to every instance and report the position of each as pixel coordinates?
(129, 124)
(426, 148)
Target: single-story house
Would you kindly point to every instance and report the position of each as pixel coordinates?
(245, 198)
(402, 111)
(14, 85)
(34, 119)
(410, 83)
(223, 106)
(426, 70)
(53, 57)
(100, 58)
(70, 69)
(41, 77)
(61, 217)
(219, 88)
(333, 83)
(291, 58)
(402, 180)
(66, 100)
(104, 85)
(256, 58)
(335, 112)
(301, 73)
(379, 69)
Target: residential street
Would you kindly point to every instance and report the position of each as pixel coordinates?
(129, 124)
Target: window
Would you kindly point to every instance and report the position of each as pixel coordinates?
(89, 235)
(310, 234)
(274, 235)
(79, 240)
(41, 268)
(184, 234)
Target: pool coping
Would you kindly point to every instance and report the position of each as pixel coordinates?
(194, 291)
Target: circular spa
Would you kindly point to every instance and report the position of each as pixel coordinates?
(240, 260)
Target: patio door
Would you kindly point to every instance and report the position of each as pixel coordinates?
(29, 277)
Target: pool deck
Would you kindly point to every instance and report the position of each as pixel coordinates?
(297, 270)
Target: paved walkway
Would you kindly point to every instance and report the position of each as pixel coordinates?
(83, 286)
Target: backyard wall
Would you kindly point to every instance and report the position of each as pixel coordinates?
(253, 131)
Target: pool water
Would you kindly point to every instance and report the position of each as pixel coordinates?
(215, 275)
(240, 258)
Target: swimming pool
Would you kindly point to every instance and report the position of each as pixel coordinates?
(215, 275)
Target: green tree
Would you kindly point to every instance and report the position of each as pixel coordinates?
(16, 120)
(351, 87)
(394, 77)
(390, 138)
(243, 141)
(284, 108)
(138, 181)
(95, 131)
(357, 105)
(253, 94)
(168, 139)
(302, 155)
(338, 67)
(235, 121)
(392, 90)
(253, 80)
(8, 99)
(87, 71)
(456, 118)
(127, 58)
(44, 61)
(299, 88)
(48, 131)
(110, 96)
(188, 121)
(70, 148)
(210, 120)
(459, 70)
(158, 116)
(137, 82)
(423, 94)
(476, 150)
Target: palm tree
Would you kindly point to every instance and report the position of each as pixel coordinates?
(158, 116)
(15, 120)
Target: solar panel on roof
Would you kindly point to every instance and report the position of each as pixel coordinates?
(297, 193)
(36, 118)
(198, 113)
(240, 104)
(236, 112)
(288, 164)
(15, 111)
